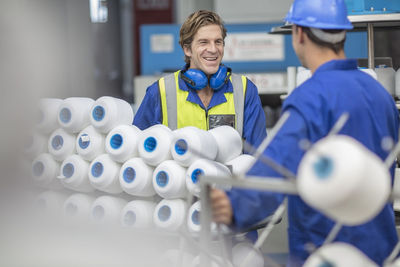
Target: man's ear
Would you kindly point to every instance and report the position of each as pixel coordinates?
(187, 50)
(301, 34)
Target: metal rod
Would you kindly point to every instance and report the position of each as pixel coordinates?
(269, 162)
(205, 222)
(226, 256)
(339, 124)
(392, 155)
(267, 230)
(272, 184)
(271, 135)
(313, 251)
(264, 234)
(333, 233)
(392, 255)
(371, 56)
(127, 48)
(182, 245)
(258, 152)
(203, 252)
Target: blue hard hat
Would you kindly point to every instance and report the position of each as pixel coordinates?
(320, 14)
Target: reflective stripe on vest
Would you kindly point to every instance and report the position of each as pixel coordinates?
(191, 114)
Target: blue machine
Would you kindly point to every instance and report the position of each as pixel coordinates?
(368, 7)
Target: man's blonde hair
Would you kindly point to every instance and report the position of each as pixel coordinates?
(194, 22)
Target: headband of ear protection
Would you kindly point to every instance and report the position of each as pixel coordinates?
(196, 79)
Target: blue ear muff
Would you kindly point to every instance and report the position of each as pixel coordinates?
(196, 79)
(219, 78)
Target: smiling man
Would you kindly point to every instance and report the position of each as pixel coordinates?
(204, 93)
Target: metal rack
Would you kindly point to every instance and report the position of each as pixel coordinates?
(361, 23)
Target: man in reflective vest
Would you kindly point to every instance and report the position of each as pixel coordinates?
(205, 93)
(335, 88)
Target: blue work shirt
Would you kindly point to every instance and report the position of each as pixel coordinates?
(254, 123)
(335, 88)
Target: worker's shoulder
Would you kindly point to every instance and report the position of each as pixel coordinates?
(153, 88)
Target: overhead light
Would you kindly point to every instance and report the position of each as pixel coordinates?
(98, 11)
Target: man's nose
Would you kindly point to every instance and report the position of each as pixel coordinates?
(212, 47)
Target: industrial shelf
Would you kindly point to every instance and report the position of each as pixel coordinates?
(365, 22)
(360, 23)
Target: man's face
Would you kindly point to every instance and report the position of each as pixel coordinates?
(206, 50)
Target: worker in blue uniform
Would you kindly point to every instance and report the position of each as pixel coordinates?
(336, 87)
(205, 93)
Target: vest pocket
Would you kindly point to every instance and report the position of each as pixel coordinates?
(219, 120)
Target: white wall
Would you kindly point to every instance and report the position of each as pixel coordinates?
(185, 7)
(236, 11)
(79, 33)
(252, 11)
(34, 44)
(50, 43)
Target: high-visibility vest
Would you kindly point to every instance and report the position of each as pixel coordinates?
(190, 114)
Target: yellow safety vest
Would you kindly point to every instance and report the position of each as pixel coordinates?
(178, 113)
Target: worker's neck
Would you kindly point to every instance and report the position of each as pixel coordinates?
(316, 57)
(205, 95)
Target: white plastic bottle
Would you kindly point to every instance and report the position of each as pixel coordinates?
(108, 112)
(386, 76)
(303, 74)
(136, 178)
(229, 143)
(74, 174)
(154, 144)
(73, 113)
(61, 144)
(48, 112)
(170, 214)
(44, 171)
(107, 210)
(370, 72)
(103, 174)
(291, 78)
(397, 83)
(190, 143)
(121, 142)
(138, 214)
(90, 143)
(169, 180)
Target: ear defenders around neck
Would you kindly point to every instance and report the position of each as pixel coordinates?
(196, 79)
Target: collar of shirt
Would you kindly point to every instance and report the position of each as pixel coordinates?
(338, 64)
(217, 98)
